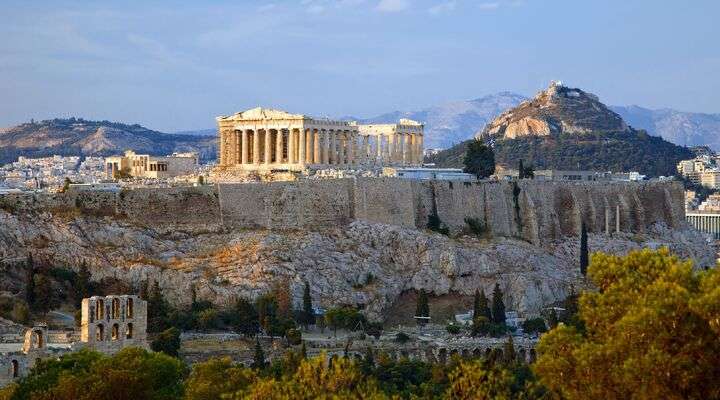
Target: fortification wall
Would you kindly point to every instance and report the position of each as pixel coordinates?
(531, 210)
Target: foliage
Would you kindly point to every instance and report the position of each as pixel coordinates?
(498, 306)
(215, 377)
(294, 336)
(479, 159)
(453, 329)
(480, 305)
(130, 374)
(402, 337)
(247, 320)
(344, 318)
(157, 309)
(534, 325)
(476, 227)
(598, 151)
(208, 319)
(258, 356)
(20, 312)
(485, 327)
(436, 225)
(651, 332)
(168, 342)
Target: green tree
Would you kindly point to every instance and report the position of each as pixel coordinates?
(168, 342)
(259, 356)
(83, 288)
(217, 377)
(246, 318)
(21, 313)
(30, 281)
(651, 332)
(480, 305)
(422, 308)
(44, 301)
(308, 313)
(583, 249)
(509, 351)
(498, 306)
(479, 159)
(521, 170)
(157, 309)
(473, 380)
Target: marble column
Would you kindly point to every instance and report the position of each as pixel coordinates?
(391, 148)
(317, 154)
(279, 146)
(256, 148)
(378, 147)
(351, 150)
(309, 146)
(268, 148)
(332, 156)
(301, 146)
(291, 147)
(245, 148)
(342, 143)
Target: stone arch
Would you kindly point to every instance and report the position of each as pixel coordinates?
(15, 368)
(100, 333)
(129, 311)
(38, 339)
(115, 308)
(99, 309)
(129, 331)
(115, 332)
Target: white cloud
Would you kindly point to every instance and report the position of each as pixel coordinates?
(393, 5)
(443, 7)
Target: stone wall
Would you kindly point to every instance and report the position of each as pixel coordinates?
(530, 210)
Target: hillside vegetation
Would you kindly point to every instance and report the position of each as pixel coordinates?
(599, 151)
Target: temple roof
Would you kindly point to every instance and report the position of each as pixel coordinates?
(260, 113)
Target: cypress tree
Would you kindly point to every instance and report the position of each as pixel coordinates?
(521, 170)
(308, 314)
(498, 306)
(583, 249)
(82, 283)
(259, 357)
(509, 351)
(481, 306)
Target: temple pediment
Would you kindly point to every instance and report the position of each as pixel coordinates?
(260, 113)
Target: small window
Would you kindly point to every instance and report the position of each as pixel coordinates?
(15, 369)
(99, 310)
(115, 308)
(129, 309)
(115, 332)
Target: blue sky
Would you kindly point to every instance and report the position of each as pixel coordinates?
(175, 65)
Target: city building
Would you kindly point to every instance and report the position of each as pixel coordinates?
(453, 174)
(265, 140)
(146, 166)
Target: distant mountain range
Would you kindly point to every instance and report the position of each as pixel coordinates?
(78, 137)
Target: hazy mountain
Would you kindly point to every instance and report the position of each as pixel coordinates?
(198, 132)
(95, 138)
(454, 122)
(682, 128)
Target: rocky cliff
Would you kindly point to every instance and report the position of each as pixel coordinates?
(558, 109)
(355, 259)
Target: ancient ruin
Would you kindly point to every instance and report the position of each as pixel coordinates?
(271, 140)
(109, 324)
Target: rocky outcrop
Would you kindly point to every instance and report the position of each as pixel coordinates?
(365, 264)
(558, 109)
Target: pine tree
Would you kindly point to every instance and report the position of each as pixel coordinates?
(259, 357)
(422, 309)
(521, 170)
(583, 249)
(156, 309)
(308, 313)
(30, 281)
(303, 351)
(246, 318)
(43, 293)
(480, 305)
(498, 306)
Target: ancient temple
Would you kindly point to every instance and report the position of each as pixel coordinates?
(265, 140)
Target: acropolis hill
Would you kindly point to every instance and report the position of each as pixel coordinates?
(359, 241)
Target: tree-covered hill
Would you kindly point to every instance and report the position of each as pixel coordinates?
(599, 151)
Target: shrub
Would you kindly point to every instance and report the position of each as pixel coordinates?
(534, 325)
(294, 336)
(402, 337)
(453, 329)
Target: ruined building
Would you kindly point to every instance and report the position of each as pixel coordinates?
(266, 140)
(109, 324)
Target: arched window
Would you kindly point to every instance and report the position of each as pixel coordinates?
(129, 309)
(115, 333)
(38, 341)
(115, 308)
(99, 310)
(100, 333)
(129, 331)
(15, 369)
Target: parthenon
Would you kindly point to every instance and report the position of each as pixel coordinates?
(265, 139)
